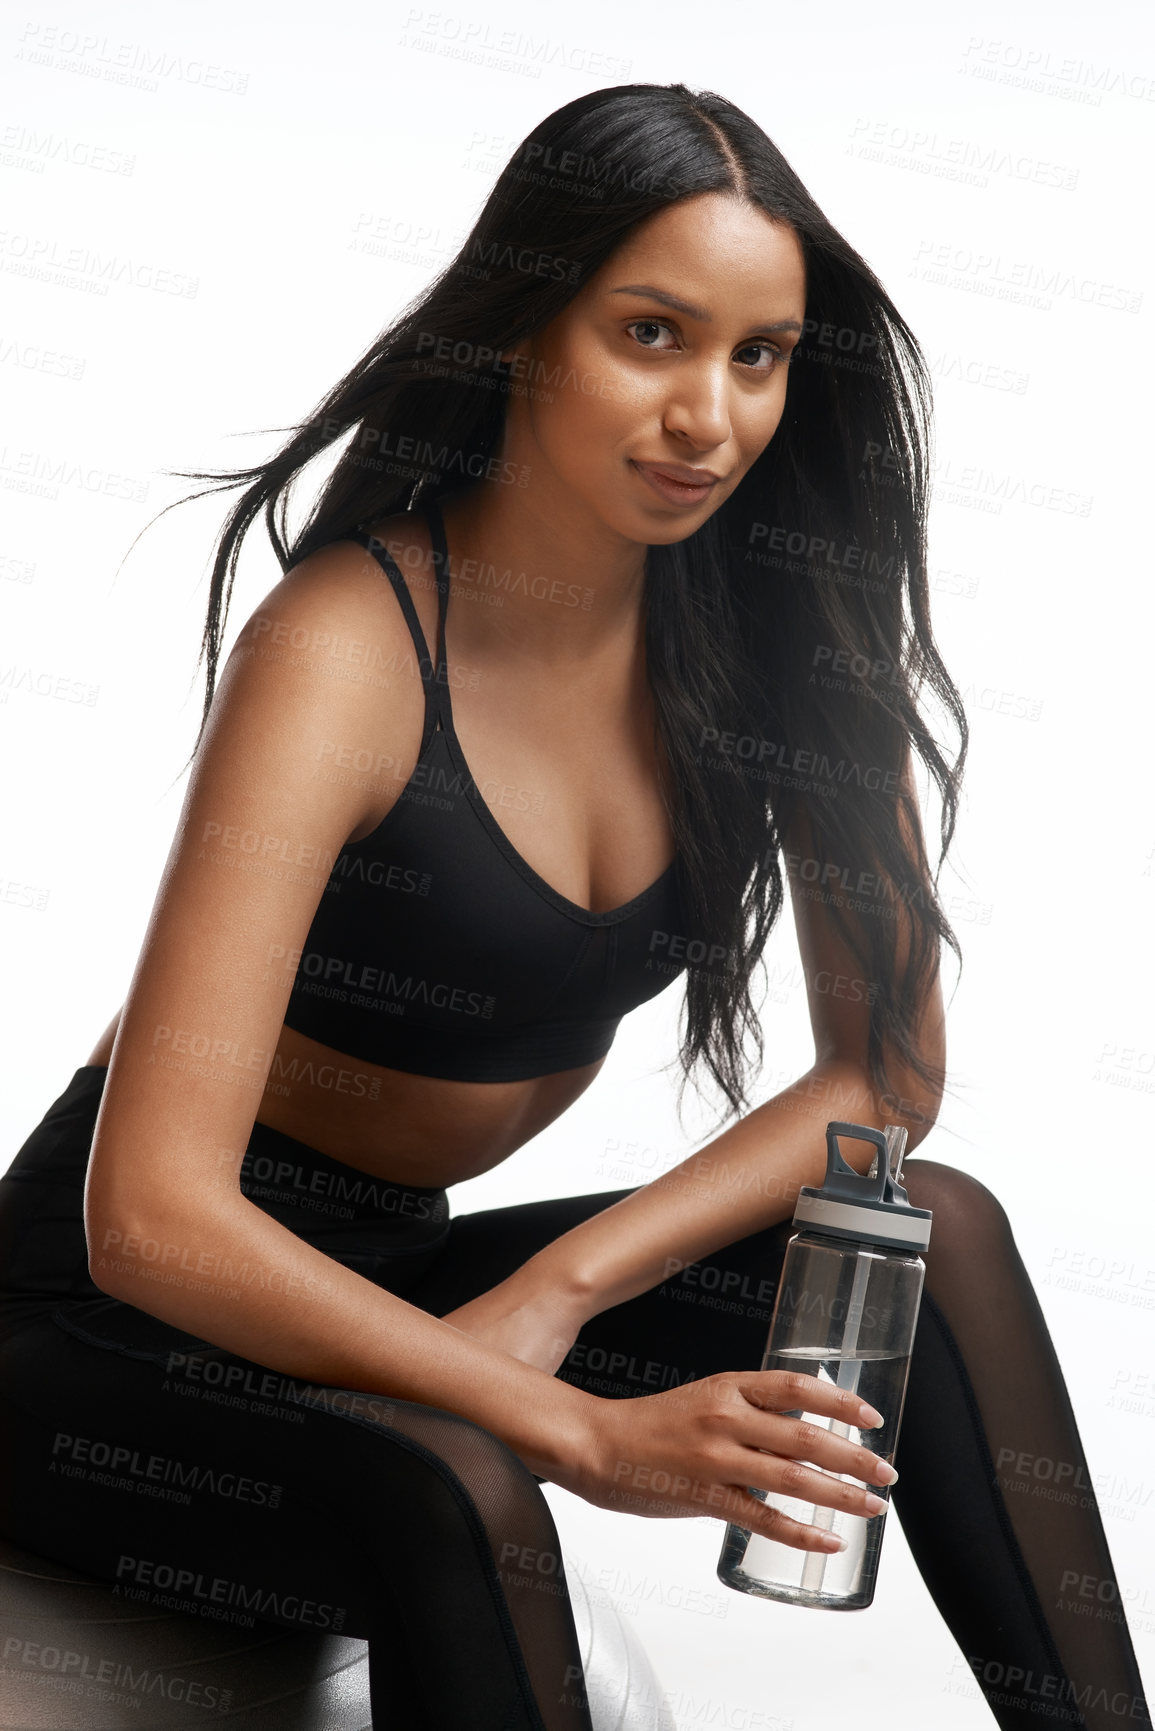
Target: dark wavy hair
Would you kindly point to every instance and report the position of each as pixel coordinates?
(788, 638)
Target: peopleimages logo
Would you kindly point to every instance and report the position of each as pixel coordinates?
(334, 969)
(103, 1673)
(192, 1584)
(132, 1469)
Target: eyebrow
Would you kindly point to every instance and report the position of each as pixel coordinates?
(688, 307)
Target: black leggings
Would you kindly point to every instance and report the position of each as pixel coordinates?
(140, 1455)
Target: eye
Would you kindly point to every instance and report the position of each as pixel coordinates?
(649, 325)
(775, 356)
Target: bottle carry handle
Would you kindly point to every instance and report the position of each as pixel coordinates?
(882, 1182)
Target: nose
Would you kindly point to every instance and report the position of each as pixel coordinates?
(698, 406)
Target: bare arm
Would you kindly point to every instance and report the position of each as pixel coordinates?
(220, 1268)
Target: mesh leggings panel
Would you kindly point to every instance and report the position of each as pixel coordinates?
(1004, 1564)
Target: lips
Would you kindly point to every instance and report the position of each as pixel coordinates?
(681, 472)
(676, 483)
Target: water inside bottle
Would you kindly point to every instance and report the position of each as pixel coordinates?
(760, 1565)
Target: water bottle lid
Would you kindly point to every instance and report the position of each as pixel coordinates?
(872, 1206)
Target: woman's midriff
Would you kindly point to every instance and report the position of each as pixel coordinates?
(420, 1130)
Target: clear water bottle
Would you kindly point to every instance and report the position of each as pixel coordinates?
(846, 1311)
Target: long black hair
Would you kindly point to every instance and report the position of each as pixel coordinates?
(788, 639)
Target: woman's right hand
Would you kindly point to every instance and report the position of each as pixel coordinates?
(694, 1449)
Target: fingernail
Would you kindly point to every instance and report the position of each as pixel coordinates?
(876, 1505)
(885, 1473)
(831, 1542)
(872, 1417)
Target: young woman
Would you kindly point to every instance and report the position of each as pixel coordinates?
(433, 849)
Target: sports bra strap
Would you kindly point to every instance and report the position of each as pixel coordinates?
(432, 674)
(385, 559)
(441, 567)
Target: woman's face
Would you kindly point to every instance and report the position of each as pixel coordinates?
(674, 353)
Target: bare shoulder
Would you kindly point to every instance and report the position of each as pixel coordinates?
(343, 588)
(344, 583)
(333, 629)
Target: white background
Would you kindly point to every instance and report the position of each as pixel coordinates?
(1028, 281)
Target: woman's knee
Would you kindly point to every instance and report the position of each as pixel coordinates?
(965, 1211)
(444, 1460)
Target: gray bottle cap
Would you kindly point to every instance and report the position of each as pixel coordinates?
(872, 1206)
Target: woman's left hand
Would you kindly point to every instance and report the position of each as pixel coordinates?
(538, 1327)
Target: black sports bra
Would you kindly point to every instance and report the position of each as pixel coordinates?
(437, 949)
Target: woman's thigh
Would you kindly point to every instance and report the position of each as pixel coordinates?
(157, 1469)
(207, 1484)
